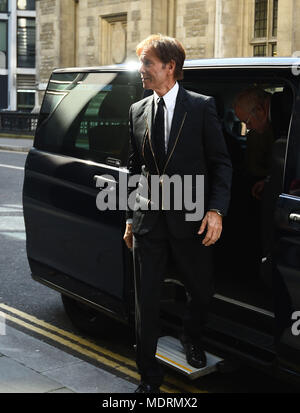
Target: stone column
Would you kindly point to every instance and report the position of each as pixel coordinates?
(228, 28)
(296, 28)
(47, 41)
(68, 32)
(163, 17)
(195, 26)
(159, 17)
(287, 11)
(55, 38)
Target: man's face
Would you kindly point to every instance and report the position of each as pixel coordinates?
(255, 117)
(155, 74)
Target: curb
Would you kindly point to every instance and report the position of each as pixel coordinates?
(15, 136)
(15, 148)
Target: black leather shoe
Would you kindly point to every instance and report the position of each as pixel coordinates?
(195, 356)
(147, 388)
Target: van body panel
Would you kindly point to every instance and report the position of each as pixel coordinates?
(64, 228)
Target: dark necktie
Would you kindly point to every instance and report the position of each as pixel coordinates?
(159, 135)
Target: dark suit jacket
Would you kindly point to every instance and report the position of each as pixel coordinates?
(196, 147)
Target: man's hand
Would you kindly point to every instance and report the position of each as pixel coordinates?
(213, 222)
(258, 188)
(128, 237)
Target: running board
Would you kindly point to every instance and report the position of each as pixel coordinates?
(170, 352)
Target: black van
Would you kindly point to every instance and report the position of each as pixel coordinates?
(78, 250)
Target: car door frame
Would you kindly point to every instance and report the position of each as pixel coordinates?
(286, 265)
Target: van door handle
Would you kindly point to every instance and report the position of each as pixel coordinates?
(294, 217)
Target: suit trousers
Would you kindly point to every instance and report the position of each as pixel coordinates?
(152, 252)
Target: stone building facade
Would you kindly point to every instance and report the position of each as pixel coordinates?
(99, 32)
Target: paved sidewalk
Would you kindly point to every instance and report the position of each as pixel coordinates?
(16, 144)
(29, 365)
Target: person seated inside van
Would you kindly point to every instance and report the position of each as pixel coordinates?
(266, 116)
(253, 107)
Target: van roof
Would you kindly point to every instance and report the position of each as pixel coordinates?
(246, 62)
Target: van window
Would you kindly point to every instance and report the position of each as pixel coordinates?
(250, 153)
(85, 115)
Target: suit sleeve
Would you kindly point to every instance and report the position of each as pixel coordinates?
(133, 163)
(217, 158)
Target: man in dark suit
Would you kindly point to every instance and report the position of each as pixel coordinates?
(173, 132)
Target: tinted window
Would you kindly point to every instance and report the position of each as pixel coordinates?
(86, 115)
(3, 5)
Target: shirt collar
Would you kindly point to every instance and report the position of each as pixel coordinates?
(170, 97)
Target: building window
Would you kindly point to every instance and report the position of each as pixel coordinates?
(261, 18)
(275, 18)
(3, 44)
(26, 42)
(260, 50)
(265, 28)
(26, 4)
(25, 100)
(3, 6)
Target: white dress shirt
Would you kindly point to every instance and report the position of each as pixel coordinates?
(170, 101)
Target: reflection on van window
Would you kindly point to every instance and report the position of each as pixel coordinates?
(86, 115)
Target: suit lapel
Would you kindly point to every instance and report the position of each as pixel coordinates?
(148, 118)
(148, 114)
(178, 119)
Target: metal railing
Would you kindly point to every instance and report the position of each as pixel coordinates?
(18, 122)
